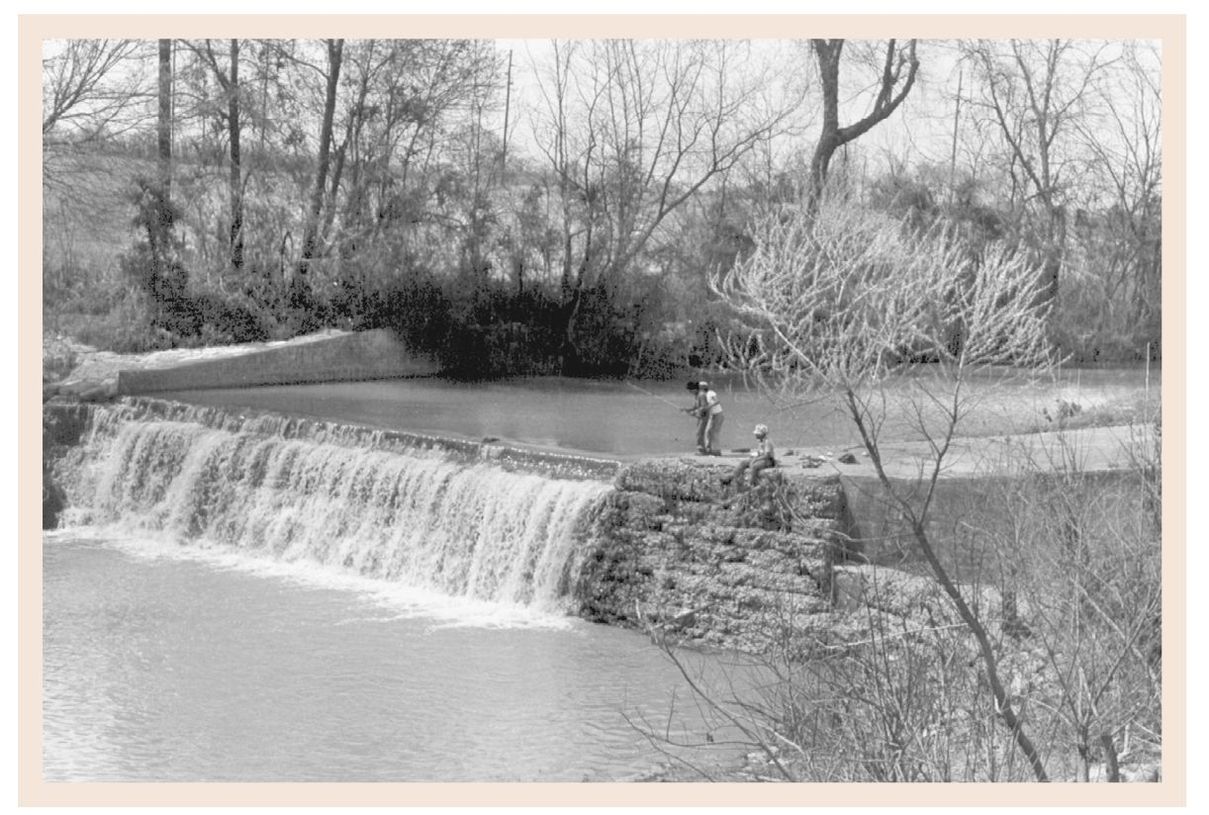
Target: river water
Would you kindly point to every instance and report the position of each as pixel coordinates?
(171, 664)
(642, 418)
(230, 603)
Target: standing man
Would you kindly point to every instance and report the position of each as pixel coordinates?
(698, 410)
(714, 417)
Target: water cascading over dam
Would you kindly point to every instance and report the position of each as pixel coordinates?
(652, 541)
(381, 505)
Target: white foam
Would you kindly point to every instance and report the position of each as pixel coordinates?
(386, 601)
(463, 541)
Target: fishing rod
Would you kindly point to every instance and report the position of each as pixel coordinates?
(657, 396)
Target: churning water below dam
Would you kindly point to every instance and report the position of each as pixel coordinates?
(229, 601)
(165, 663)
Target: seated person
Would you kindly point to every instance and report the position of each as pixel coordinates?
(762, 457)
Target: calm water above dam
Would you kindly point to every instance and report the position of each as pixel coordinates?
(640, 418)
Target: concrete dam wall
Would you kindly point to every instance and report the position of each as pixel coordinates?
(376, 354)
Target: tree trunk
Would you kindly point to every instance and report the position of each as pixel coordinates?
(236, 178)
(310, 235)
(230, 87)
(164, 124)
(1111, 762)
(507, 108)
(827, 53)
(159, 226)
(892, 90)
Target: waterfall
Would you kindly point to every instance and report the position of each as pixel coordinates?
(472, 526)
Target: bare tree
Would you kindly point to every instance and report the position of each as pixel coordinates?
(163, 129)
(399, 116)
(310, 234)
(229, 83)
(89, 89)
(93, 93)
(632, 130)
(1079, 553)
(1115, 260)
(899, 68)
(1034, 92)
(835, 298)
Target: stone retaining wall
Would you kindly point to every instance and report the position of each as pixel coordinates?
(675, 551)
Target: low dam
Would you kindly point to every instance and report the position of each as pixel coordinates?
(320, 600)
(239, 587)
(648, 542)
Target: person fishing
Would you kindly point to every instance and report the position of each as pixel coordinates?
(698, 410)
(714, 418)
(762, 457)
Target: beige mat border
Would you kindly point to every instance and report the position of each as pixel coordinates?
(1170, 29)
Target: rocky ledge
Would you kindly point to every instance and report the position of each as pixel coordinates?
(674, 551)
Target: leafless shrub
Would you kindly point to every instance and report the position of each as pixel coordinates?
(842, 300)
(1079, 553)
